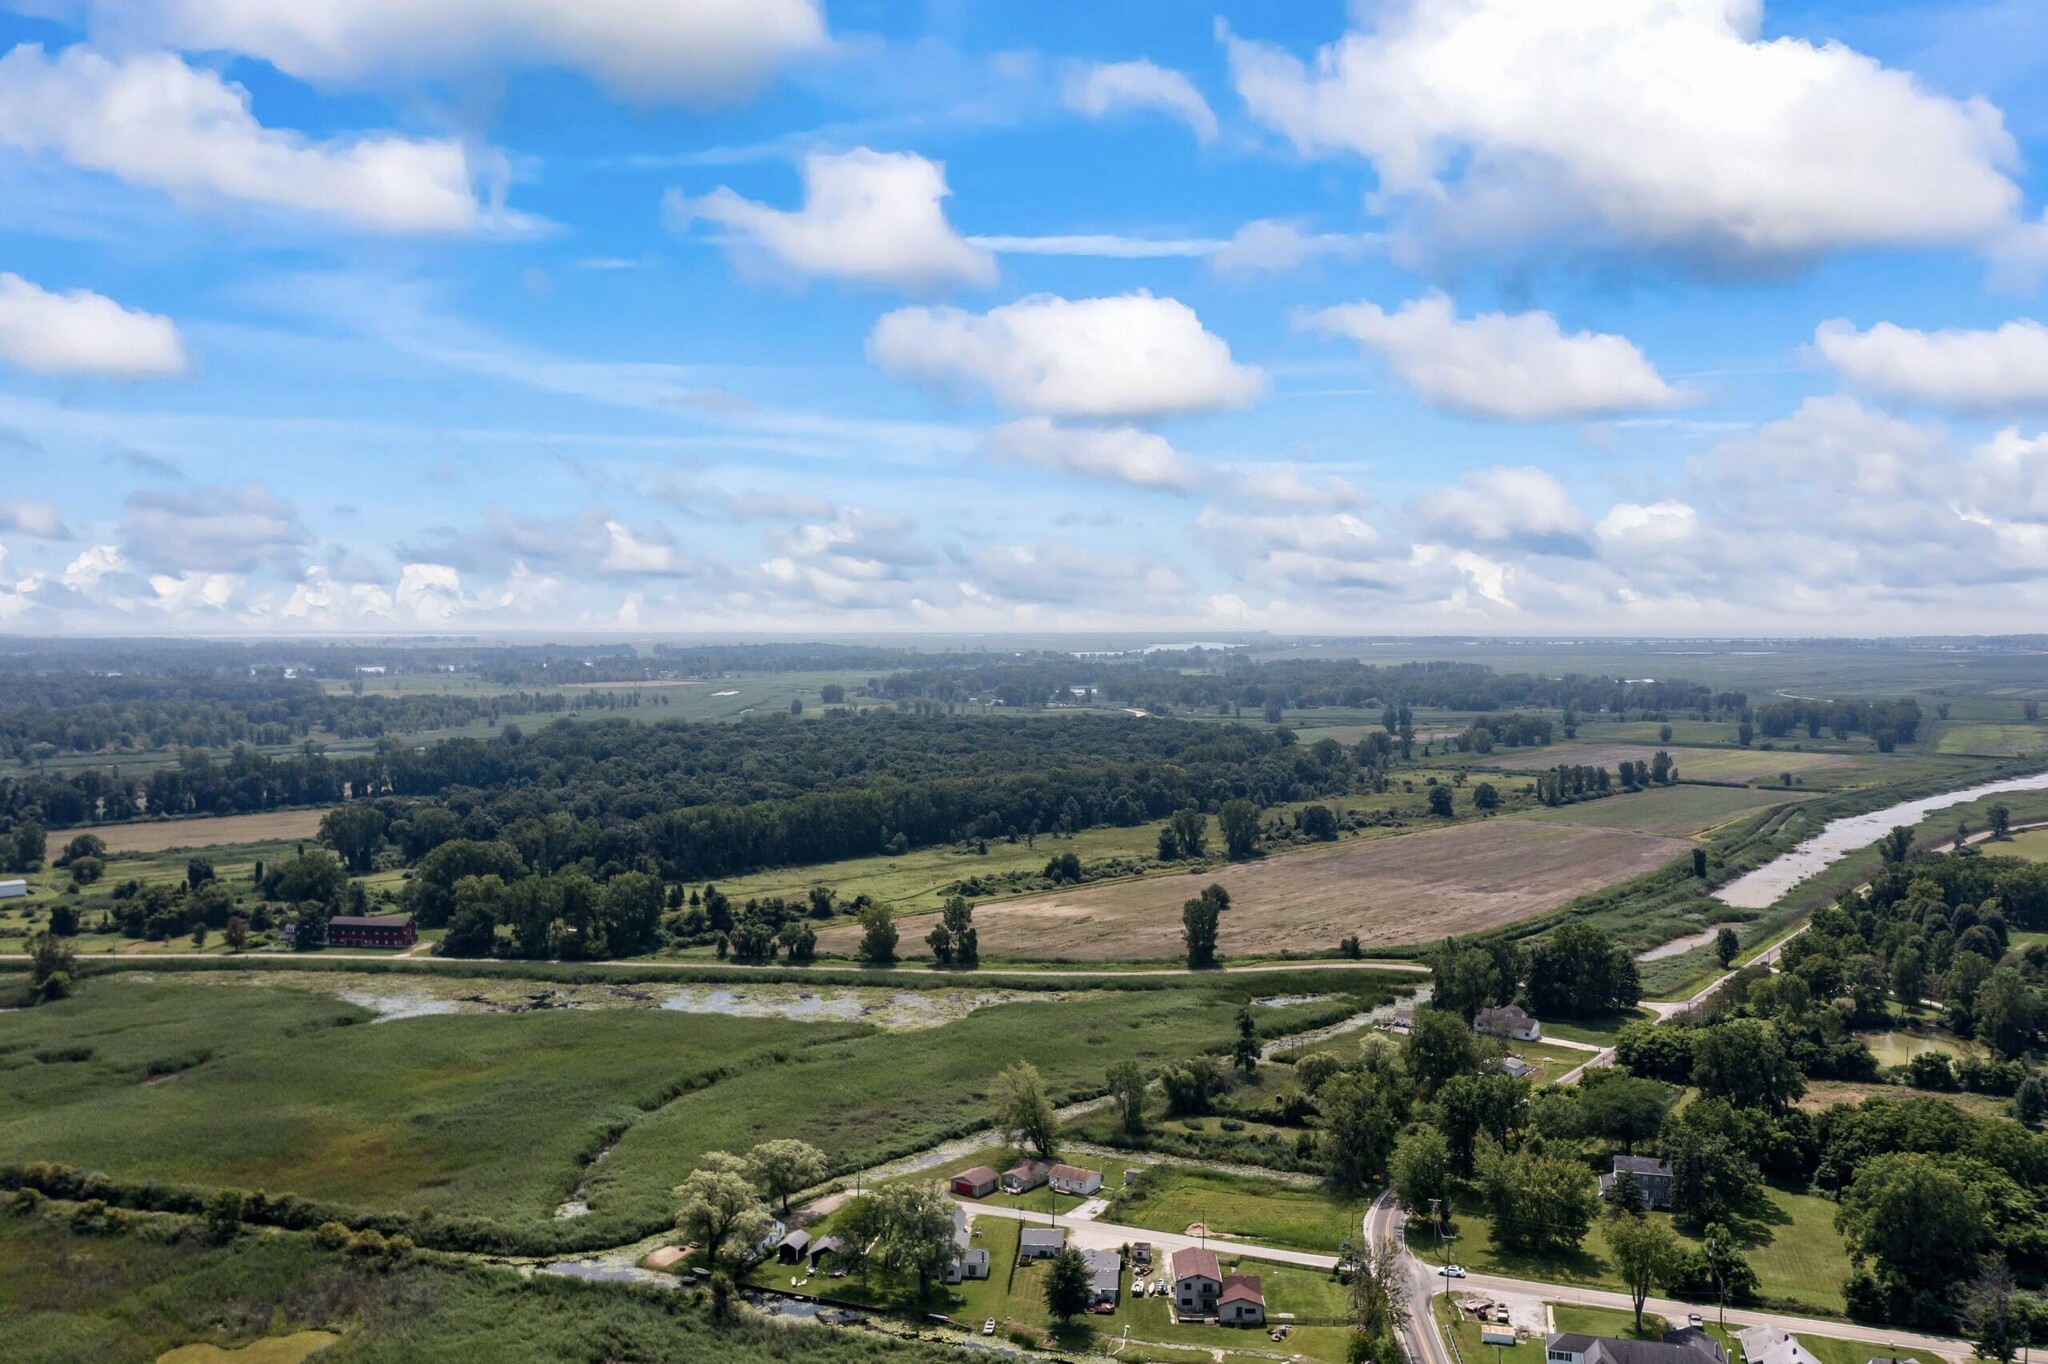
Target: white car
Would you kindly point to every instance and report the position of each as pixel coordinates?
(1696, 1321)
(1451, 1272)
(988, 1328)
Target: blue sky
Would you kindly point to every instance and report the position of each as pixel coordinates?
(1600, 316)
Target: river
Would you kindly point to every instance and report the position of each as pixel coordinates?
(1766, 885)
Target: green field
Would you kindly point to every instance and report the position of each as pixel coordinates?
(1990, 739)
(2031, 844)
(1792, 1243)
(492, 1116)
(128, 1299)
(1234, 1207)
(1682, 809)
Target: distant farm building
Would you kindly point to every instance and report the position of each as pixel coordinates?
(350, 930)
(13, 890)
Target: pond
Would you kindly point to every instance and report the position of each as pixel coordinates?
(393, 998)
(1768, 884)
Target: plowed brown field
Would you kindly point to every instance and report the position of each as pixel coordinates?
(1411, 888)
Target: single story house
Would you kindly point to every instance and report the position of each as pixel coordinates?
(1769, 1345)
(1026, 1175)
(969, 1261)
(794, 1247)
(1041, 1243)
(1105, 1267)
(979, 1182)
(1569, 1348)
(1197, 1282)
(1074, 1180)
(13, 890)
(1242, 1301)
(1652, 1176)
(390, 930)
(767, 1244)
(1509, 1020)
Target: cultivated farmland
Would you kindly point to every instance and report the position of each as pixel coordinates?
(1409, 889)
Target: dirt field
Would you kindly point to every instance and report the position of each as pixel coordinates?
(1412, 888)
(1701, 764)
(163, 835)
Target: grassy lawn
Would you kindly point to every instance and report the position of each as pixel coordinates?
(1261, 1211)
(1798, 1256)
(1601, 1032)
(1550, 1061)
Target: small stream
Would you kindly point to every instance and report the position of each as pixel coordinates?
(1769, 883)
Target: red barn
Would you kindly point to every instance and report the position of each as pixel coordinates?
(349, 930)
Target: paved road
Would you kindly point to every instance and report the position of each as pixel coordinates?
(1426, 1345)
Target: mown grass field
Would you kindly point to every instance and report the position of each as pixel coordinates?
(1417, 887)
(1990, 738)
(2031, 844)
(492, 1117)
(1798, 1256)
(1236, 1207)
(1678, 811)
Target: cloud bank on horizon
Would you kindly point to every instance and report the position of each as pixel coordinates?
(1601, 316)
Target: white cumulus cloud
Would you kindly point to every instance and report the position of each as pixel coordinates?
(1126, 358)
(39, 520)
(1522, 506)
(1630, 526)
(84, 572)
(153, 121)
(81, 332)
(1512, 366)
(1661, 124)
(1117, 454)
(1978, 371)
(696, 51)
(2008, 475)
(1106, 87)
(870, 217)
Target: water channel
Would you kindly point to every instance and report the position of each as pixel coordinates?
(1768, 884)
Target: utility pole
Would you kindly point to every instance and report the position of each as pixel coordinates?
(1437, 1222)
(1720, 1283)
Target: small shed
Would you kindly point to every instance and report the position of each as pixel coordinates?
(793, 1247)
